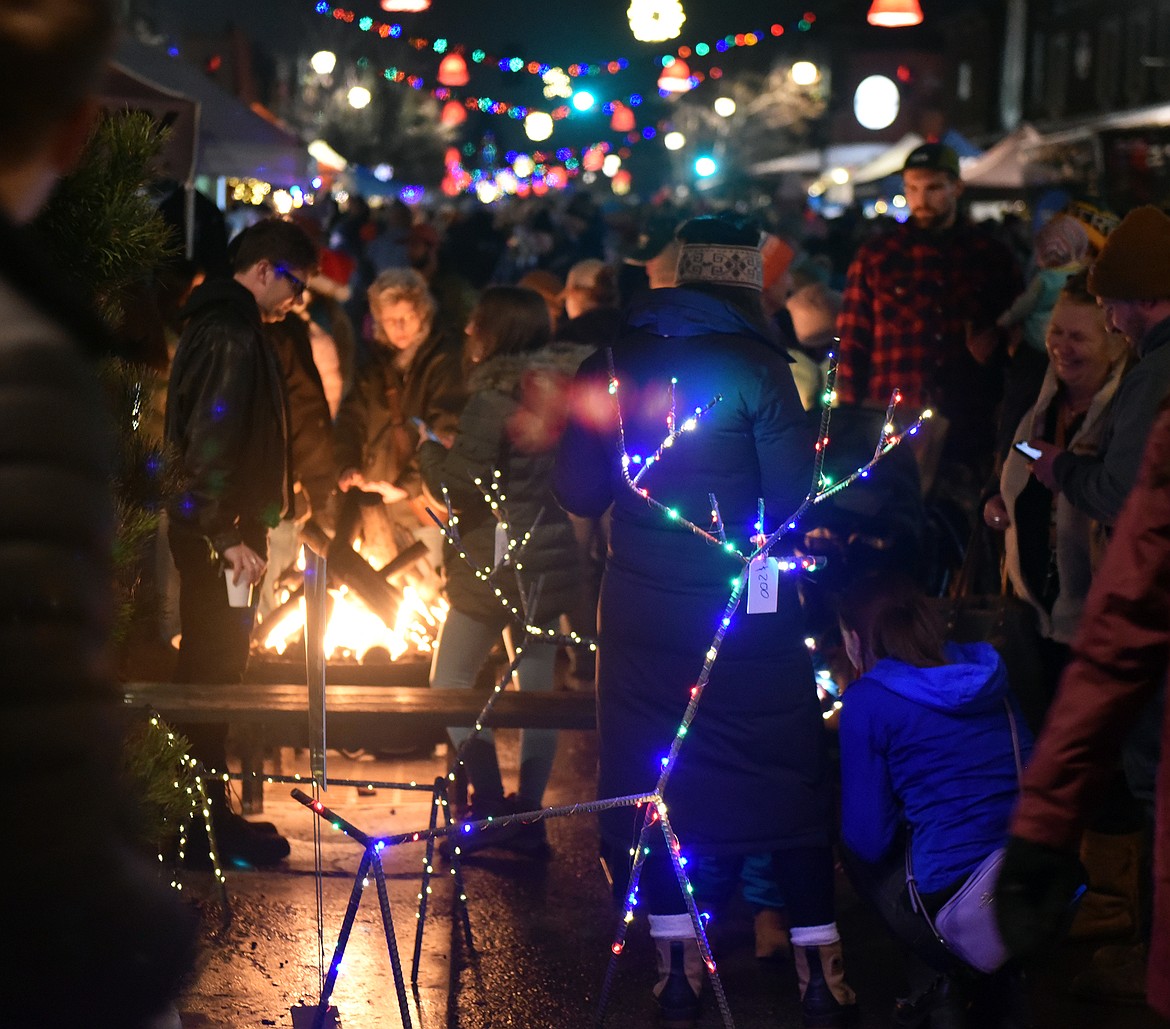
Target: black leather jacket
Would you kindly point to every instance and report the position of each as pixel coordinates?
(226, 420)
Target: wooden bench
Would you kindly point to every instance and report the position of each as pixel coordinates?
(263, 715)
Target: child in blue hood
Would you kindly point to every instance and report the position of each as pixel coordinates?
(926, 756)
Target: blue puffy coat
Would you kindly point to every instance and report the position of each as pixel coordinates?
(930, 748)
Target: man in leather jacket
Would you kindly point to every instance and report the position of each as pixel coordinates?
(227, 420)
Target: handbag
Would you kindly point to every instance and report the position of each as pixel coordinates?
(966, 924)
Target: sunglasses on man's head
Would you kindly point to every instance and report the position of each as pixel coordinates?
(299, 285)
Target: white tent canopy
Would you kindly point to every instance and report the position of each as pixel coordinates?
(841, 155)
(889, 161)
(1005, 165)
(226, 136)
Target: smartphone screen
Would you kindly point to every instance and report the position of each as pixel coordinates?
(1031, 453)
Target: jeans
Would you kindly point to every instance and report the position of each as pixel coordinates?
(464, 644)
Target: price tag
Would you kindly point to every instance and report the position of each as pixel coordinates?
(763, 585)
(501, 544)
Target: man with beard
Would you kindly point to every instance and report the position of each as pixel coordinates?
(918, 315)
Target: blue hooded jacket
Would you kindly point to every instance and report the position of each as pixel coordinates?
(931, 748)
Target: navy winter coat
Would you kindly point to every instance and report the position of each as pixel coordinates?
(752, 772)
(931, 748)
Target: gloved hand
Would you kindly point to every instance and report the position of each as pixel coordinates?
(1037, 895)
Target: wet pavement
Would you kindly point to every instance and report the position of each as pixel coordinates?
(542, 929)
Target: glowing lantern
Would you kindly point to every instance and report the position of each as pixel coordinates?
(523, 166)
(652, 21)
(406, 6)
(538, 126)
(894, 14)
(876, 102)
(454, 113)
(593, 159)
(621, 183)
(450, 186)
(453, 70)
(323, 62)
(557, 178)
(623, 119)
(676, 78)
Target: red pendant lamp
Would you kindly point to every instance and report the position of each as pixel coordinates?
(453, 70)
(454, 113)
(676, 78)
(894, 14)
(623, 119)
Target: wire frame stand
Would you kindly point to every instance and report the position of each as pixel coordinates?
(371, 861)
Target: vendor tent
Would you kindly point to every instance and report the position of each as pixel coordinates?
(1005, 165)
(888, 162)
(213, 133)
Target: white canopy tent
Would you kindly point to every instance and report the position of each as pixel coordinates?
(223, 136)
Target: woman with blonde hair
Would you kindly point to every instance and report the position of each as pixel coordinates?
(413, 372)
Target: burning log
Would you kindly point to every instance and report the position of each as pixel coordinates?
(345, 565)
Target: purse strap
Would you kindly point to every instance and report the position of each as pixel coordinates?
(911, 882)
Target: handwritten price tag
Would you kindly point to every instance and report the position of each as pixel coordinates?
(763, 585)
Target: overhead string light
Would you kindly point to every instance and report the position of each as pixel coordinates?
(515, 64)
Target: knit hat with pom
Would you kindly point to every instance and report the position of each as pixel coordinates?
(1134, 264)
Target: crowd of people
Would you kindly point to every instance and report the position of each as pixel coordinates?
(333, 376)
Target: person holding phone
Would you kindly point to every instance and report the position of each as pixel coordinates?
(1047, 541)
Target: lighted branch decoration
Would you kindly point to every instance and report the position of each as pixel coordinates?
(657, 814)
(656, 818)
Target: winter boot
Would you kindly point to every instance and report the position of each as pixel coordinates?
(1116, 975)
(680, 981)
(826, 1000)
(772, 941)
(1110, 907)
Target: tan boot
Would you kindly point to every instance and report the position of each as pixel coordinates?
(1110, 907)
(772, 935)
(680, 981)
(826, 1000)
(1116, 975)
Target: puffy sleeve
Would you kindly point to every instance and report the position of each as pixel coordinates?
(869, 810)
(1120, 657)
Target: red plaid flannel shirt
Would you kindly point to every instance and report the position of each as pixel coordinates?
(908, 298)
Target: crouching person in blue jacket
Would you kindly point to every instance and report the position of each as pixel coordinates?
(927, 763)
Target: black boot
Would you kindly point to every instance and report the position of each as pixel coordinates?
(826, 1000)
(680, 980)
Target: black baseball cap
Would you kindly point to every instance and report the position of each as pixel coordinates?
(933, 157)
(653, 239)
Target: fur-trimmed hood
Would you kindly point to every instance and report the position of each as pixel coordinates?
(505, 372)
